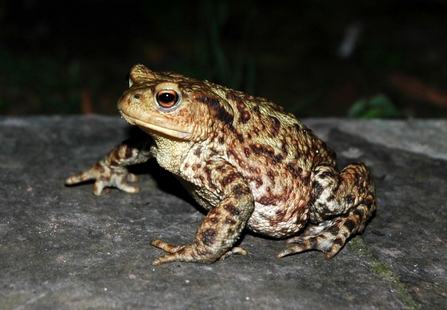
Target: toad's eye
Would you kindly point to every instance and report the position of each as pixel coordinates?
(167, 98)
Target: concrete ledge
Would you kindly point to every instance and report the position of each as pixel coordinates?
(63, 248)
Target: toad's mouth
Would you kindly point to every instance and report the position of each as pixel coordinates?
(156, 125)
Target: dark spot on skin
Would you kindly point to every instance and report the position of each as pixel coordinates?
(280, 215)
(230, 221)
(278, 158)
(306, 179)
(128, 152)
(330, 198)
(214, 212)
(350, 199)
(217, 109)
(359, 213)
(208, 236)
(247, 152)
(267, 200)
(239, 191)
(230, 178)
(256, 109)
(201, 178)
(338, 241)
(297, 127)
(334, 230)
(326, 174)
(245, 117)
(207, 171)
(296, 172)
(268, 151)
(313, 243)
(221, 140)
(240, 104)
(317, 189)
(240, 137)
(259, 182)
(284, 147)
(232, 210)
(230, 95)
(256, 148)
(221, 169)
(271, 175)
(350, 224)
(276, 124)
(368, 202)
(214, 220)
(198, 151)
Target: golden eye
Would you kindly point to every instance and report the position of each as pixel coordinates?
(167, 98)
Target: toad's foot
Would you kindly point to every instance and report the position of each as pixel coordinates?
(189, 253)
(328, 237)
(111, 171)
(106, 177)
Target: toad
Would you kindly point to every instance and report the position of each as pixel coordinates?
(246, 161)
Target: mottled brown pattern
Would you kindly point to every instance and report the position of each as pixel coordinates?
(208, 236)
(232, 210)
(245, 160)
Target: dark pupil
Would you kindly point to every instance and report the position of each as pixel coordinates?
(166, 97)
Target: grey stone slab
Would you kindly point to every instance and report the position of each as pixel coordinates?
(63, 248)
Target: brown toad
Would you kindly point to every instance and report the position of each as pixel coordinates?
(243, 159)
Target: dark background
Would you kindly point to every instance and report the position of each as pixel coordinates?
(64, 57)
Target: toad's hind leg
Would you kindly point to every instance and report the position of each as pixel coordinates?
(341, 206)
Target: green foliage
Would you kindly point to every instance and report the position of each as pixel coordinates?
(379, 106)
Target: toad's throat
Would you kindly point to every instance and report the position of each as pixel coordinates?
(157, 126)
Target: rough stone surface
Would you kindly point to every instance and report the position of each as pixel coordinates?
(63, 248)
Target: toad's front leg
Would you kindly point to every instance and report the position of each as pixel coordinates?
(111, 171)
(223, 224)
